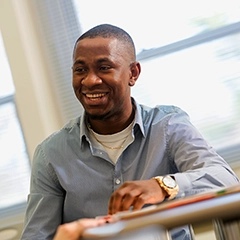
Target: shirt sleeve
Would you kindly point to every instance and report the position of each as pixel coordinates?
(45, 200)
(199, 167)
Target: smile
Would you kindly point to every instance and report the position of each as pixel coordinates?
(95, 96)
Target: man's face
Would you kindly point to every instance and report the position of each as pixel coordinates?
(102, 76)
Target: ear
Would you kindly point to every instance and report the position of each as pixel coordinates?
(135, 69)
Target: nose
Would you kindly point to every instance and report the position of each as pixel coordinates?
(91, 79)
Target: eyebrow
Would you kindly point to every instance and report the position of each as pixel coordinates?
(78, 62)
(100, 60)
(103, 60)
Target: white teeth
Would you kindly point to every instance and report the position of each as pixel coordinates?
(96, 95)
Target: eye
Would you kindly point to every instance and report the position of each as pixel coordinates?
(104, 67)
(80, 69)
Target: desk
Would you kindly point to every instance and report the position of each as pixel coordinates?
(223, 207)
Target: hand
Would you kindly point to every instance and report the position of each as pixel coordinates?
(136, 194)
(74, 230)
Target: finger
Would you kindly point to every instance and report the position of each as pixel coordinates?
(139, 202)
(87, 223)
(68, 231)
(74, 230)
(129, 199)
(109, 218)
(122, 199)
(115, 203)
(123, 202)
(117, 198)
(110, 205)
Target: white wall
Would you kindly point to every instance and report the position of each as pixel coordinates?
(34, 98)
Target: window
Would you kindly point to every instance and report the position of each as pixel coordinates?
(14, 162)
(156, 23)
(189, 52)
(187, 48)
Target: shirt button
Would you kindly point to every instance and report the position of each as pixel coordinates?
(117, 181)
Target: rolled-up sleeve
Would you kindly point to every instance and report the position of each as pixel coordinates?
(200, 167)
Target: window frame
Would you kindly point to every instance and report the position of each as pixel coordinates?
(190, 42)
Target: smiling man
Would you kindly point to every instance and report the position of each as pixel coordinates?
(103, 72)
(119, 154)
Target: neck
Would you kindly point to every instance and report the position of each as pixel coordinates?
(111, 126)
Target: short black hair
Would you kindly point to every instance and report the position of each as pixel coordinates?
(110, 31)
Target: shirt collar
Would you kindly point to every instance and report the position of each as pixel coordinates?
(138, 116)
(83, 128)
(138, 121)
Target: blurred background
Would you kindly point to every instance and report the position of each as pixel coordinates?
(190, 57)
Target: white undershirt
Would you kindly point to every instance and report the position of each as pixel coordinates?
(123, 138)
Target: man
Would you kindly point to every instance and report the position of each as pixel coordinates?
(118, 155)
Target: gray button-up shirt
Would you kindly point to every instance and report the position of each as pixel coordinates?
(71, 179)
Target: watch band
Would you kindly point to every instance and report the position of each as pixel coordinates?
(168, 184)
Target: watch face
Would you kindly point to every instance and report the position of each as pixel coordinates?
(169, 182)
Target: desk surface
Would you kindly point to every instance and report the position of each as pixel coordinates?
(224, 207)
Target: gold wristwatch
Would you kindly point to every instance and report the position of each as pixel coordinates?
(168, 184)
